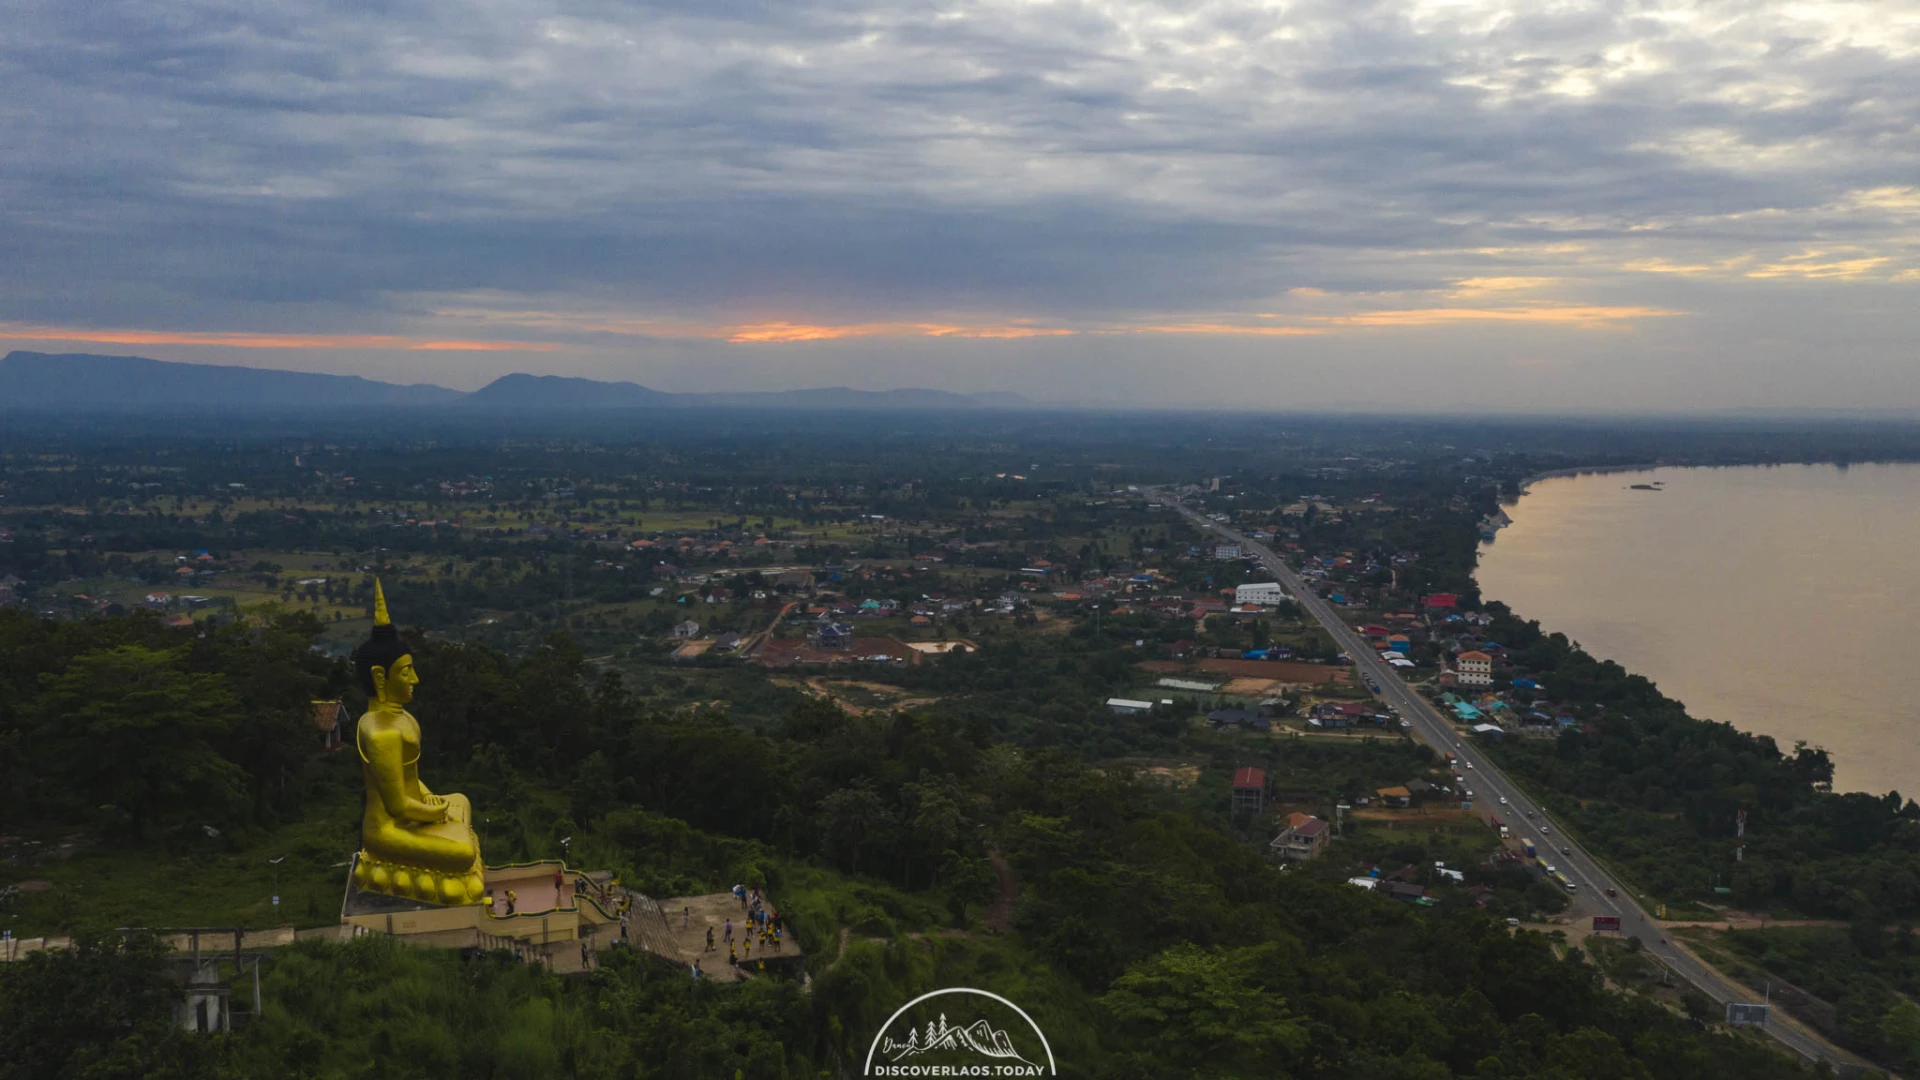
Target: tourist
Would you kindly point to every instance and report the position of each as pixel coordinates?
(709, 939)
(732, 957)
(623, 929)
(686, 917)
(586, 956)
(729, 931)
(513, 901)
(740, 894)
(697, 973)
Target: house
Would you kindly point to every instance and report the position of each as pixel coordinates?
(727, 642)
(1249, 790)
(1302, 839)
(1226, 551)
(1475, 668)
(834, 636)
(687, 631)
(1441, 601)
(1264, 594)
(330, 717)
(1128, 707)
(1395, 796)
(920, 621)
(1402, 890)
(1236, 717)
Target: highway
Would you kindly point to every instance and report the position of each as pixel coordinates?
(1493, 793)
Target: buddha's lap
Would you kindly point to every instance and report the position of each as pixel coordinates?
(448, 846)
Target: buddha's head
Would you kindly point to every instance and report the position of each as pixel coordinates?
(382, 662)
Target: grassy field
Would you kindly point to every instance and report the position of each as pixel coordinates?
(197, 880)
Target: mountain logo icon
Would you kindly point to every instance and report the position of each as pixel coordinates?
(944, 1048)
(979, 1037)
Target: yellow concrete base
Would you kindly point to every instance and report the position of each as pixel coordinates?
(570, 915)
(376, 875)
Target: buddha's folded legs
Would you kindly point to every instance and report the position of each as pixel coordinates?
(448, 846)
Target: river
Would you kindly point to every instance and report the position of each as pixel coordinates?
(1780, 599)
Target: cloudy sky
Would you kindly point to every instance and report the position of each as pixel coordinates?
(1432, 204)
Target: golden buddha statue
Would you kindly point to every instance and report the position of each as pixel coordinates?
(414, 844)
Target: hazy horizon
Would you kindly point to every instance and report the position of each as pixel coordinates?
(1431, 205)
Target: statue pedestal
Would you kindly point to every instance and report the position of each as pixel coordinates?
(540, 915)
(376, 875)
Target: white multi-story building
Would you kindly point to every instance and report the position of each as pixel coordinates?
(1265, 594)
(1474, 669)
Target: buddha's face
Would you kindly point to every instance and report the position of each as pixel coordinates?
(394, 685)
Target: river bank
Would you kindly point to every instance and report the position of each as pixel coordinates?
(1771, 597)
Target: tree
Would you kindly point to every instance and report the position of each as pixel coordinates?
(1190, 1006)
(849, 818)
(102, 1009)
(129, 728)
(968, 881)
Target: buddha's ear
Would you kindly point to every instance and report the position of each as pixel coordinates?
(379, 675)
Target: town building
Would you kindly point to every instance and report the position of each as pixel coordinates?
(1265, 594)
(1303, 838)
(1249, 790)
(1474, 669)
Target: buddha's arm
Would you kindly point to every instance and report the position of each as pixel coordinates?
(389, 782)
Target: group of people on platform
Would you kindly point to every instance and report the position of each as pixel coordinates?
(762, 923)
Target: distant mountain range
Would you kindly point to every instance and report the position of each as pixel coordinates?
(81, 382)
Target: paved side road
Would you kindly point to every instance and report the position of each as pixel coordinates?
(1490, 786)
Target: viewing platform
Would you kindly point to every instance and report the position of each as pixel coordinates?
(684, 921)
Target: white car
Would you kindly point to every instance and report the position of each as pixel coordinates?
(1503, 800)
(1469, 764)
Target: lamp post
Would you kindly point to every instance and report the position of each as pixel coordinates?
(275, 863)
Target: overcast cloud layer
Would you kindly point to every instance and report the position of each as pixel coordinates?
(1431, 204)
